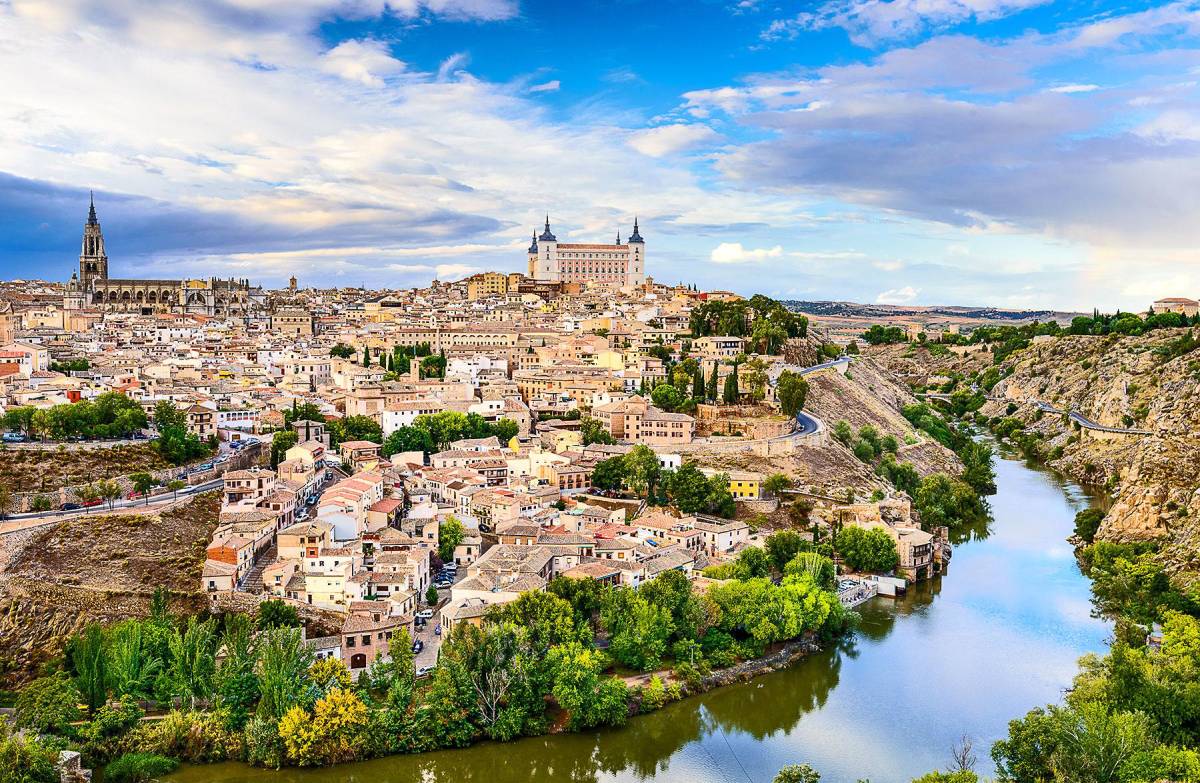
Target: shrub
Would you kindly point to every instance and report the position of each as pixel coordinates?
(138, 768)
(1087, 522)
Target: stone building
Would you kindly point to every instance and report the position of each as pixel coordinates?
(620, 265)
(92, 287)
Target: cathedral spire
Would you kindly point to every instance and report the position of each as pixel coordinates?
(92, 221)
(618, 236)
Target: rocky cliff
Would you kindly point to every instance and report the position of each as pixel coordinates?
(1125, 383)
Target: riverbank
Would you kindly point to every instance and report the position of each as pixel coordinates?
(964, 654)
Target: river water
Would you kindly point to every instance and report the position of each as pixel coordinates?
(999, 635)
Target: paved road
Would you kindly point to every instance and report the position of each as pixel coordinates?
(34, 518)
(806, 424)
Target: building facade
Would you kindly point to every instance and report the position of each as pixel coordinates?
(92, 287)
(619, 265)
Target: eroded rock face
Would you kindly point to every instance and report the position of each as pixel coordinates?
(1126, 382)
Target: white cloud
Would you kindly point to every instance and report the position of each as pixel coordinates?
(897, 296)
(366, 61)
(871, 21)
(734, 253)
(670, 139)
(1074, 88)
(888, 266)
(550, 86)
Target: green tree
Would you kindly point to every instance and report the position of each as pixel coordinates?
(580, 689)
(280, 442)
(89, 660)
(1087, 524)
(48, 705)
(638, 629)
(142, 484)
(783, 545)
(431, 596)
(166, 414)
(867, 549)
(132, 666)
(944, 500)
(450, 534)
(366, 358)
(175, 485)
(276, 613)
(797, 773)
(730, 395)
(776, 483)
(667, 397)
(341, 351)
(193, 660)
(642, 469)
(698, 385)
(710, 389)
(282, 669)
(405, 439)
(609, 474)
(792, 391)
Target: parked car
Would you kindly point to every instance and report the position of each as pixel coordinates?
(437, 630)
(92, 503)
(425, 671)
(425, 614)
(70, 507)
(13, 437)
(418, 645)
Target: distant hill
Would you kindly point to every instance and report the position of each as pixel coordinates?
(883, 311)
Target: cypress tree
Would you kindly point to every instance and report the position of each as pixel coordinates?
(730, 395)
(698, 385)
(710, 392)
(366, 356)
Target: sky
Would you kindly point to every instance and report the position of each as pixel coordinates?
(1013, 153)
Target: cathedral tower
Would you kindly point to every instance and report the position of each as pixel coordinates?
(93, 262)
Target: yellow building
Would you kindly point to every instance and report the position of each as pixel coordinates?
(487, 284)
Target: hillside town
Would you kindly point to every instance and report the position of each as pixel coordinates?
(410, 459)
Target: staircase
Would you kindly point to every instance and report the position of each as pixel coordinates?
(253, 583)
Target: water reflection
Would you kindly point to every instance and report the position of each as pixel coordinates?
(999, 634)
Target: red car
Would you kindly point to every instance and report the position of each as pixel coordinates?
(92, 502)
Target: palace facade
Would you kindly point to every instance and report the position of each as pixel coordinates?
(620, 265)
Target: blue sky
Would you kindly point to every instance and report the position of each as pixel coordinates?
(1007, 152)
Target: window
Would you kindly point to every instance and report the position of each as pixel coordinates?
(349, 641)
(366, 640)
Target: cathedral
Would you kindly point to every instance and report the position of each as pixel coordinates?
(92, 287)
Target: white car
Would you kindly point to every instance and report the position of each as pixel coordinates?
(425, 614)
(425, 671)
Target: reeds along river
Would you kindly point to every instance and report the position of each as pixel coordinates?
(962, 655)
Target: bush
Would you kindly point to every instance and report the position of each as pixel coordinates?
(1087, 523)
(49, 705)
(138, 768)
(25, 759)
(188, 736)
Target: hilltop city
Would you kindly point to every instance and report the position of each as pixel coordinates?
(571, 472)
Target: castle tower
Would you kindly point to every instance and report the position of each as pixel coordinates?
(637, 257)
(548, 267)
(93, 262)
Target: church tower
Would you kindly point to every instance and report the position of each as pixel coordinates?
(93, 262)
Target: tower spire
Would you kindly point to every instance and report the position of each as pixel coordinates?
(546, 235)
(92, 209)
(636, 235)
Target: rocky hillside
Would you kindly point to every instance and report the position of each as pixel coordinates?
(56, 579)
(1142, 382)
(867, 395)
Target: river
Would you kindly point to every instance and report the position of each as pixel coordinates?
(999, 635)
